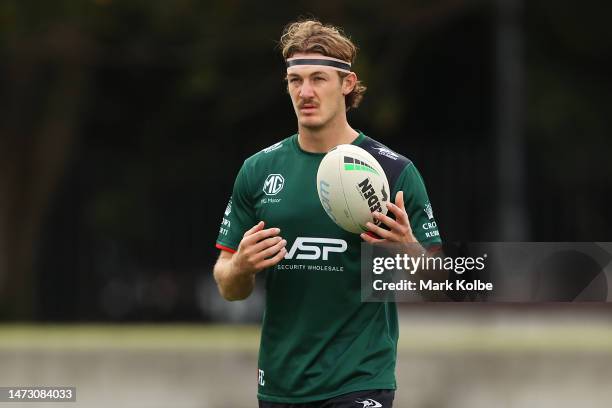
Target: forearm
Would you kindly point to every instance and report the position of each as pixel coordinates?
(233, 284)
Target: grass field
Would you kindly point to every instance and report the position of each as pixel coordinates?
(421, 337)
(543, 360)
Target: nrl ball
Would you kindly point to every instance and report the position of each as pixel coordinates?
(351, 185)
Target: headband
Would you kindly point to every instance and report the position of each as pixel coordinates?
(319, 60)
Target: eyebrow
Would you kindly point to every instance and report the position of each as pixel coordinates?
(294, 75)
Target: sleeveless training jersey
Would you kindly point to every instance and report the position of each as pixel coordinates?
(318, 339)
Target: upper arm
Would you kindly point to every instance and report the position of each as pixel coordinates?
(418, 207)
(224, 256)
(239, 214)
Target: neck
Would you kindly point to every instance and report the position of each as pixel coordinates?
(322, 140)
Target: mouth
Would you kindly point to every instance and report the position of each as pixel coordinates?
(308, 108)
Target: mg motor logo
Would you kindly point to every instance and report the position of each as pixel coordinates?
(274, 184)
(315, 248)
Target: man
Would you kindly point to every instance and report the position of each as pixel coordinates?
(320, 346)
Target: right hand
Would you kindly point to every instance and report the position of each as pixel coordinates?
(259, 249)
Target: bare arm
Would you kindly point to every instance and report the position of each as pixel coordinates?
(232, 284)
(259, 249)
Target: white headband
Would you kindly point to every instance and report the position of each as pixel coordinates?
(319, 60)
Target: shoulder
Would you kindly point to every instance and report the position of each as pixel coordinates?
(392, 162)
(270, 153)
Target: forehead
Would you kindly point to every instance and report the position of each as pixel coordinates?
(307, 70)
(307, 55)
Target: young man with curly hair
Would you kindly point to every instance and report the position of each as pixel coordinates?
(320, 345)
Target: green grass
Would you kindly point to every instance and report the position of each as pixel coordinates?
(416, 338)
(129, 337)
(514, 338)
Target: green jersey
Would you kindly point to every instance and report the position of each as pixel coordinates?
(318, 339)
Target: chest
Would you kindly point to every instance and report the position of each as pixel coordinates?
(285, 196)
(286, 193)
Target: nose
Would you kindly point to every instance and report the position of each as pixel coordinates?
(306, 90)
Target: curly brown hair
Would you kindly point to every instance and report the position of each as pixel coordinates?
(311, 36)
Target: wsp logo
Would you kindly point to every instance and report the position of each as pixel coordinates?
(315, 248)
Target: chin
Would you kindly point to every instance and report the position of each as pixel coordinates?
(311, 124)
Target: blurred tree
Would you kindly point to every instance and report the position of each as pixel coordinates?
(44, 76)
(141, 100)
(123, 124)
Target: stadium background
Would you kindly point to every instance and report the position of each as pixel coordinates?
(123, 125)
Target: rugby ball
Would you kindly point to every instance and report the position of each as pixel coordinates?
(351, 185)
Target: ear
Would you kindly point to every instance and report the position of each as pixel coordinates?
(348, 83)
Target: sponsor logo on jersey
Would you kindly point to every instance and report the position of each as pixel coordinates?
(350, 164)
(368, 194)
(273, 147)
(260, 378)
(269, 200)
(312, 248)
(228, 209)
(429, 211)
(383, 151)
(429, 225)
(274, 184)
(369, 403)
(432, 234)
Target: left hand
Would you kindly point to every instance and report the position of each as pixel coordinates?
(400, 229)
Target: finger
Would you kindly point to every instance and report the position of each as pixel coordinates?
(381, 232)
(274, 260)
(266, 244)
(370, 239)
(388, 221)
(400, 214)
(399, 200)
(371, 234)
(270, 251)
(260, 235)
(254, 229)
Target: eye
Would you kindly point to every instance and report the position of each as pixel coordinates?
(319, 78)
(293, 80)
